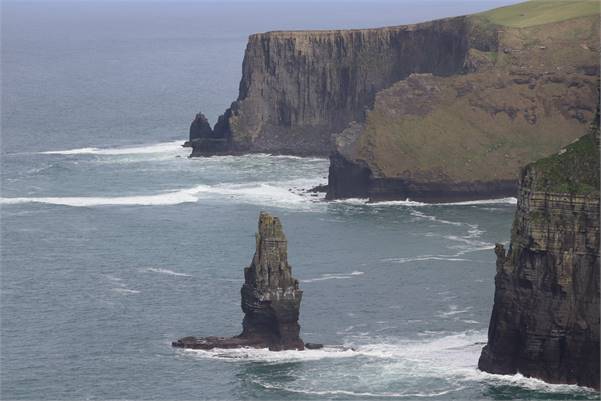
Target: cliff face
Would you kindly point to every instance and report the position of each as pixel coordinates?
(545, 319)
(437, 111)
(270, 298)
(298, 88)
(460, 137)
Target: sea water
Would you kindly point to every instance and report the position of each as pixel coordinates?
(115, 243)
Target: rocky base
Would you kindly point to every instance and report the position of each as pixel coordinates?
(349, 179)
(208, 343)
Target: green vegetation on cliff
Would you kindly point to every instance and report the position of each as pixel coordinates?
(527, 91)
(538, 12)
(573, 170)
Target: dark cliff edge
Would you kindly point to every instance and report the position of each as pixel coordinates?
(300, 87)
(270, 296)
(545, 319)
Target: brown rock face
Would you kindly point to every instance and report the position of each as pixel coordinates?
(545, 319)
(270, 298)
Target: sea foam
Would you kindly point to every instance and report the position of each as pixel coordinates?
(384, 367)
(163, 147)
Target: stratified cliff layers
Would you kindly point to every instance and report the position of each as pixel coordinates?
(442, 110)
(270, 298)
(545, 319)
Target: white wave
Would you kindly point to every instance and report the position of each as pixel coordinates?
(385, 367)
(125, 291)
(255, 193)
(454, 310)
(167, 271)
(267, 356)
(333, 276)
(508, 201)
(368, 202)
(164, 147)
(425, 258)
(167, 198)
(530, 383)
(424, 216)
(385, 394)
(411, 203)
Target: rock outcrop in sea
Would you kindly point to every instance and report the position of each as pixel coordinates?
(203, 140)
(438, 111)
(271, 298)
(545, 319)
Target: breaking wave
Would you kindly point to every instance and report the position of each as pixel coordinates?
(383, 367)
(333, 276)
(125, 291)
(409, 202)
(258, 193)
(164, 147)
(166, 271)
(425, 258)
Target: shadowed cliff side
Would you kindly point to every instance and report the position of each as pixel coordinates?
(270, 298)
(545, 319)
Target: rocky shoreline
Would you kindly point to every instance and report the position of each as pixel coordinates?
(355, 180)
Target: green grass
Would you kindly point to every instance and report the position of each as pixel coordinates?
(538, 12)
(574, 171)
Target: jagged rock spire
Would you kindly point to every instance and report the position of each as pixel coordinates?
(270, 295)
(270, 298)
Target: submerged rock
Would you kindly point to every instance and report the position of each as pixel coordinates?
(270, 298)
(545, 319)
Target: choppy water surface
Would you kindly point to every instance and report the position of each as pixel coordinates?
(111, 253)
(114, 243)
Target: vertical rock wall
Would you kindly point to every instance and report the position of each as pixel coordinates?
(298, 88)
(545, 320)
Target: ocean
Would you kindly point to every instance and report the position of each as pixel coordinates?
(114, 243)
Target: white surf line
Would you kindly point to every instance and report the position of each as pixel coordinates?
(166, 271)
(261, 193)
(333, 276)
(411, 203)
(160, 147)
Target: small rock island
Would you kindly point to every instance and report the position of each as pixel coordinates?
(270, 298)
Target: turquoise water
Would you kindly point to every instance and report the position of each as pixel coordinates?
(114, 243)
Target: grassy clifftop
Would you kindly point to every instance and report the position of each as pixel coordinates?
(573, 170)
(539, 12)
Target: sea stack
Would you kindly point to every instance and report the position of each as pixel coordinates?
(270, 298)
(545, 319)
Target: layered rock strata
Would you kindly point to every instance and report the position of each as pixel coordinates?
(270, 298)
(545, 319)
(300, 87)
